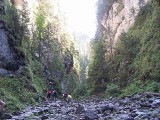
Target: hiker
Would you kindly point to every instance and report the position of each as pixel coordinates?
(49, 92)
(1, 105)
(51, 84)
(67, 98)
(54, 95)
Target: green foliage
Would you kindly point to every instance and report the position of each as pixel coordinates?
(80, 90)
(19, 91)
(139, 86)
(135, 87)
(14, 93)
(40, 22)
(70, 82)
(96, 65)
(112, 90)
(138, 49)
(10, 14)
(134, 67)
(46, 43)
(152, 86)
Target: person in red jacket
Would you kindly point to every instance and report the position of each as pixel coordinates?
(49, 93)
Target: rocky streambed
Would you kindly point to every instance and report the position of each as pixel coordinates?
(144, 106)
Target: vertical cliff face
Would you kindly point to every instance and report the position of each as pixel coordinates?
(52, 18)
(121, 17)
(18, 3)
(53, 46)
(6, 54)
(10, 58)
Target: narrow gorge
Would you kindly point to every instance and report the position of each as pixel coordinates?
(111, 75)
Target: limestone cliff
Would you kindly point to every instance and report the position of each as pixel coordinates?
(121, 17)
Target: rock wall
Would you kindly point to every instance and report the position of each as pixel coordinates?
(17, 3)
(10, 58)
(121, 17)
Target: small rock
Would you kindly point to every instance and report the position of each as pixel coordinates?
(6, 116)
(79, 109)
(16, 113)
(90, 115)
(44, 117)
(145, 105)
(156, 102)
(107, 107)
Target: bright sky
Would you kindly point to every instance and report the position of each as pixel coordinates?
(81, 15)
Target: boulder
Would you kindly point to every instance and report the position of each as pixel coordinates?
(6, 116)
(90, 115)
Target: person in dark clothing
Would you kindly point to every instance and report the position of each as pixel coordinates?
(54, 95)
(52, 83)
(65, 96)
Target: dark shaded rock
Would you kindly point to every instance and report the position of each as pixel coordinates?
(46, 110)
(106, 108)
(6, 116)
(133, 115)
(0, 115)
(44, 117)
(145, 105)
(40, 112)
(16, 113)
(149, 95)
(129, 119)
(2, 8)
(136, 97)
(10, 57)
(90, 115)
(156, 102)
(79, 109)
(150, 101)
(99, 110)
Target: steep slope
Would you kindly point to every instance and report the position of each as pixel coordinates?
(36, 51)
(121, 17)
(126, 63)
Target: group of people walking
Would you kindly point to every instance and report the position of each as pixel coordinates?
(52, 95)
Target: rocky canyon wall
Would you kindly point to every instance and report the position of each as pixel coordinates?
(121, 17)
